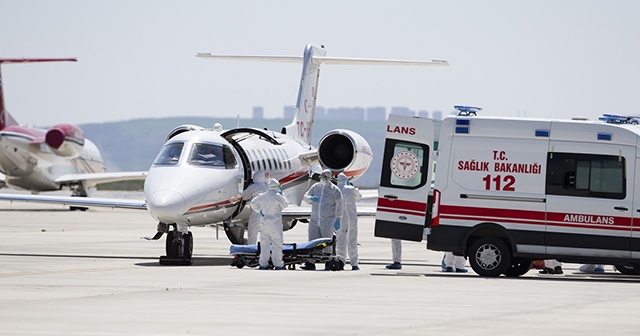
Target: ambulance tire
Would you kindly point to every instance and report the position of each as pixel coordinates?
(628, 269)
(489, 256)
(519, 266)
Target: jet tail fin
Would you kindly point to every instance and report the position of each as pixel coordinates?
(302, 124)
(5, 118)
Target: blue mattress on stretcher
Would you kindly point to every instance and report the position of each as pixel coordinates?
(253, 249)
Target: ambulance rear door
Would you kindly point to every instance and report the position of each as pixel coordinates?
(406, 178)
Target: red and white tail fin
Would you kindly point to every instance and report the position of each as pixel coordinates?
(302, 124)
(5, 118)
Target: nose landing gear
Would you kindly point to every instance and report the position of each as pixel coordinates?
(179, 248)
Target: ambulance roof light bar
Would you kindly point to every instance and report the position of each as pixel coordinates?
(618, 119)
(467, 110)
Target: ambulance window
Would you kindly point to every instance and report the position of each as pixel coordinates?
(586, 175)
(405, 164)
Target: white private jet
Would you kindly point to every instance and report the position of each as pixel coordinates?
(46, 160)
(198, 177)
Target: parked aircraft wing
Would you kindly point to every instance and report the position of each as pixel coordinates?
(97, 178)
(77, 201)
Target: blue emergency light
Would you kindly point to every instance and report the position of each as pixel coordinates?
(467, 110)
(619, 119)
(605, 136)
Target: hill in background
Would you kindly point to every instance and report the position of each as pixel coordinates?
(133, 145)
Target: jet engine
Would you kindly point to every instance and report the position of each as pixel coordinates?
(345, 151)
(65, 140)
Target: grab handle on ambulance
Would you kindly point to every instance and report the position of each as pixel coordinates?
(391, 197)
(621, 208)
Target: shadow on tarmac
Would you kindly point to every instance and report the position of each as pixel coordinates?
(197, 261)
(570, 277)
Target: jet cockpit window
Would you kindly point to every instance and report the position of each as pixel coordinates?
(170, 154)
(203, 154)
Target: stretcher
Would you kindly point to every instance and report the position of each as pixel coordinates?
(292, 254)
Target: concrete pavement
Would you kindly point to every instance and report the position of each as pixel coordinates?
(89, 273)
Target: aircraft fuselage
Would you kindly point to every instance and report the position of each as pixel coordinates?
(199, 176)
(31, 165)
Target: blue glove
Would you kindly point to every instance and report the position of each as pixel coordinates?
(336, 226)
(314, 198)
(261, 214)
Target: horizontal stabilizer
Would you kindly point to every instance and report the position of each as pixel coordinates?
(369, 61)
(281, 59)
(35, 60)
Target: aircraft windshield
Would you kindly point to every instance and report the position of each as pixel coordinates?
(170, 154)
(211, 155)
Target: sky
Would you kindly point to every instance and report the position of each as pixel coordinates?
(136, 59)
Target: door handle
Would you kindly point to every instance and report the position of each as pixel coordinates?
(621, 208)
(391, 197)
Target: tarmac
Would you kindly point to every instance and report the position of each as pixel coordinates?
(89, 273)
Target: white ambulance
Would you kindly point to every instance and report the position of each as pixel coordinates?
(508, 191)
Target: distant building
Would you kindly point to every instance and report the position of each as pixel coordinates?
(258, 112)
(402, 110)
(423, 114)
(376, 114)
(437, 115)
(289, 112)
(345, 113)
(320, 113)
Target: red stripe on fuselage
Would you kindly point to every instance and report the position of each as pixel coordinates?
(206, 206)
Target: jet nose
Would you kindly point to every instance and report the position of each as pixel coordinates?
(166, 205)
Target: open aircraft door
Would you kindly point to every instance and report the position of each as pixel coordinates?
(405, 181)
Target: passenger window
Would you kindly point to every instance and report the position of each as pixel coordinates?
(586, 175)
(405, 164)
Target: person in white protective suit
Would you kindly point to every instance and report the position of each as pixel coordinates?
(326, 211)
(269, 206)
(347, 238)
(396, 254)
(453, 263)
(258, 186)
(551, 266)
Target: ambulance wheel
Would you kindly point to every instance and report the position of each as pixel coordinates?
(628, 269)
(519, 266)
(489, 256)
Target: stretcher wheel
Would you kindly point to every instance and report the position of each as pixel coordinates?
(240, 263)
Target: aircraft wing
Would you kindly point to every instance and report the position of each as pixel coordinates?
(97, 178)
(309, 157)
(77, 201)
